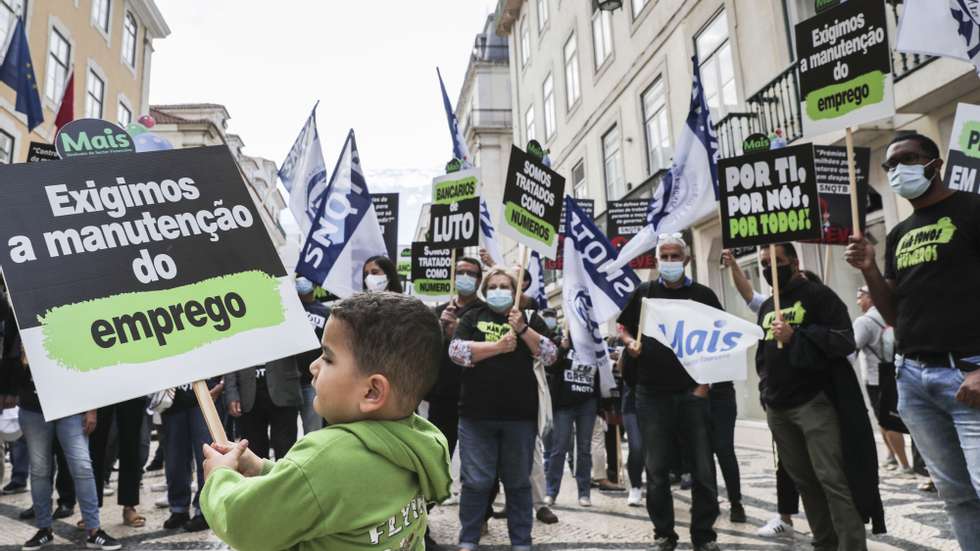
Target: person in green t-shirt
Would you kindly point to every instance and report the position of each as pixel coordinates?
(364, 481)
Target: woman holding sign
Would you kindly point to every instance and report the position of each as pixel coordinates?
(498, 407)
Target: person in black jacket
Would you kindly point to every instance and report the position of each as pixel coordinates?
(808, 386)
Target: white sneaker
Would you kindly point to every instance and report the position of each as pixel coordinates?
(108, 491)
(549, 501)
(635, 499)
(159, 487)
(584, 502)
(162, 503)
(775, 528)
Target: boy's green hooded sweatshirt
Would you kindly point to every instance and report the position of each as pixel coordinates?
(356, 486)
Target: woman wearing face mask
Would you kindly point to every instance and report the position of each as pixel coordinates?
(498, 406)
(380, 274)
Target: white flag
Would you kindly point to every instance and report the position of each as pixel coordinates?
(711, 344)
(947, 28)
(304, 174)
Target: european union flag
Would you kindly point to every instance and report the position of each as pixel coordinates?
(17, 72)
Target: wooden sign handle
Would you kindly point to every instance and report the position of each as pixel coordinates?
(210, 412)
(852, 176)
(520, 277)
(452, 275)
(775, 287)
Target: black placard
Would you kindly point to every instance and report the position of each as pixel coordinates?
(386, 208)
(39, 152)
(769, 197)
(431, 268)
(624, 219)
(456, 225)
(558, 263)
(533, 196)
(834, 187)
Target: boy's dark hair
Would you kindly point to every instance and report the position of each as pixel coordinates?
(396, 336)
(925, 143)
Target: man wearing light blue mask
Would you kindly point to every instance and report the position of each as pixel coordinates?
(928, 292)
(672, 407)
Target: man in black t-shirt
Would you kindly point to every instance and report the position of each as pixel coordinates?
(928, 292)
(671, 407)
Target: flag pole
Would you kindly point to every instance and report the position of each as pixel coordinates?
(775, 286)
(852, 176)
(210, 412)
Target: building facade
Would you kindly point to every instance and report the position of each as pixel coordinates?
(607, 93)
(202, 124)
(106, 44)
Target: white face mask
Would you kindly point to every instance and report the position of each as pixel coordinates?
(909, 181)
(671, 271)
(375, 283)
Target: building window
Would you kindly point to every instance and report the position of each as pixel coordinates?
(525, 43)
(572, 87)
(638, 6)
(612, 160)
(94, 96)
(656, 127)
(8, 18)
(579, 189)
(549, 107)
(100, 14)
(6, 148)
(56, 74)
(129, 40)
(125, 115)
(717, 68)
(542, 14)
(529, 124)
(601, 35)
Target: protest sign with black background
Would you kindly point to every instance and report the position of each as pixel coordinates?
(963, 160)
(431, 269)
(386, 209)
(558, 263)
(624, 219)
(845, 67)
(769, 197)
(39, 152)
(834, 187)
(134, 272)
(533, 196)
(455, 211)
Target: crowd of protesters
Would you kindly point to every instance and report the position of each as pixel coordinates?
(510, 398)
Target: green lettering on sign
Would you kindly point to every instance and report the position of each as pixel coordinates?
(841, 99)
(528, 224)
(454, 191)
(133, 328)
(970, 139)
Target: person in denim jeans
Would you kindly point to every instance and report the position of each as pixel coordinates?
(186, 435)
(498, 406)
(671, 405)
(928, 293)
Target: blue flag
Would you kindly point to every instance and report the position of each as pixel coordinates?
(460, 151)
(304, 174)
(17, 72)
(689, 191)
(345, 230)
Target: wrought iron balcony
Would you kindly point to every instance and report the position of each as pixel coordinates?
(732, 131)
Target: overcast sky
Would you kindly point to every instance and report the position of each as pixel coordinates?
(371, 63)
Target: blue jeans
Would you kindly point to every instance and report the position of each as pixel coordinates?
(487, 448)
(634, 437)
(583, 416)
(665, 418)
(40, 435)
(187, 433)
(947, 433)
(311, 419)
(20, 461)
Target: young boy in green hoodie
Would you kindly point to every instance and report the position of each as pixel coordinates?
(363, 482)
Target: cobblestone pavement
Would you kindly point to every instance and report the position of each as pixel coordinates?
(916, 521)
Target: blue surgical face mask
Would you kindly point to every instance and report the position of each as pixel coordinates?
(671, 271)
(304, 286)
(909, 181)
(551, 323)
(465, 284)
(500, 300)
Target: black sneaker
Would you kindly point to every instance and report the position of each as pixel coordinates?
(546, 515)
(63, 511)
(664, 544)
(196, 524)
(737, 513)
(155, 465)
(101, 540)
(176, 520)
(42, 538)
(710, 546)
(14, 488)
(26, 514)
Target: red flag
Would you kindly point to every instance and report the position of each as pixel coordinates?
(66, 113)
